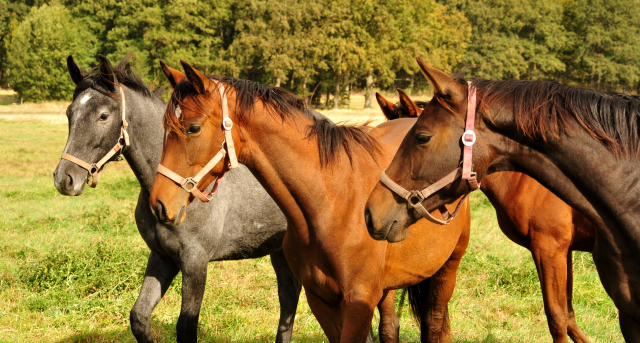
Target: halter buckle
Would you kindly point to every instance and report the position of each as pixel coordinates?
(469, 134)
(226, 126)
(415, 198)
(189, 181)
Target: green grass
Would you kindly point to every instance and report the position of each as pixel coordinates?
(71, 267)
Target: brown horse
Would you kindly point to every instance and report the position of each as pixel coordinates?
(581, 144)
(533, 217)
(320, 175)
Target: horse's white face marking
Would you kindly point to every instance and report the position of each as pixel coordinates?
(178, 111)
(85, 98)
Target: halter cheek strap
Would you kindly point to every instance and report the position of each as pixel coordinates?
(416, 197)
(190, 184)
(95, 169)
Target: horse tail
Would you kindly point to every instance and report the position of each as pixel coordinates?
(417, 293)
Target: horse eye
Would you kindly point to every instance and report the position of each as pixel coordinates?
(104, 116)
(193, 129)
(423, 138)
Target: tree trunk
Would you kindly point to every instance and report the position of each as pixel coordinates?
(336, 88)
(336, 94)
(368, 95)
(326, 104)
(304, 92)
(277, 81)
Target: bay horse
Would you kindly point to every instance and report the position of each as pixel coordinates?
(220, 230)
(320, 174)
(532, 217)
(581, 144)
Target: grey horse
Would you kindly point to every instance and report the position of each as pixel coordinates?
(242, 221)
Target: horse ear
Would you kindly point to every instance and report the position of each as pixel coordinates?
(410, 107)
(75, 70)
(174, 76)
(442, 82)
(386, 106)
(199, 81)
(107, 73)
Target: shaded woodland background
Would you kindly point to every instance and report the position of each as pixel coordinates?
(327, 48)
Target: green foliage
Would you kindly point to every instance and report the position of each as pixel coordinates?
(38, 49)
(605, 49)
(327, 46)
(87, 271)
(514, 39)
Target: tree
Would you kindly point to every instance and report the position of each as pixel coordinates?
(4, 30)
(38, 49)
(605, 49)
(399, 31)
(514, 39)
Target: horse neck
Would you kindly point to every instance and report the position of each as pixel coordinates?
(144, 115)
(561, 163)
(288, 166)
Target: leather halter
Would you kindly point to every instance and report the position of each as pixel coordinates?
(416, 197)
(190, 184)
(95, 169)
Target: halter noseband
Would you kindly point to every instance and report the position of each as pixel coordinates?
(415, 198)
(95, 169)
(190, 184)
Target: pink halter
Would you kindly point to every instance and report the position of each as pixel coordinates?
(415, 197)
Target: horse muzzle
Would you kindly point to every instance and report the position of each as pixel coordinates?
(69, 179)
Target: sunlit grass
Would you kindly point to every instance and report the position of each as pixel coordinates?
(70, 268)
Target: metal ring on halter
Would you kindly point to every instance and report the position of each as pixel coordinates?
(188, 181)
(224, 124)
(94, 169)
(464, 135)
(417, 195)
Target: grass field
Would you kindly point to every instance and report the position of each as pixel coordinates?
(70, 268)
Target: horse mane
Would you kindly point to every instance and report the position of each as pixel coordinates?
(333, 139)
(549, 107)
(125, 76)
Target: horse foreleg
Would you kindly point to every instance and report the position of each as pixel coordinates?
(194, 279)
(157, 279)
(357, 312)
(329, 318)
(389, 329)
(574, 331)
(619, 273)
(288, 294)
(434, 313)
(551, 263)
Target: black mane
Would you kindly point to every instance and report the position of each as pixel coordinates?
(126, 76)
(548, 107)
(332, 138)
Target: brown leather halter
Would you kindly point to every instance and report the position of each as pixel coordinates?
(190, 184)
(95, 169)
(416, 197)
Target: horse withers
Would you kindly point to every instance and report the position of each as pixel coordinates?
(533, 217)
(228, 228)
(581, 144)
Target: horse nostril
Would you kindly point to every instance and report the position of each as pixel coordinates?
(161, 212)
(69, 182)
(367, 219)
